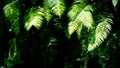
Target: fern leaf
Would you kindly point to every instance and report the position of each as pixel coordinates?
(80, 18)
(57, 6)
(73, 12)
(114, 2)
(47, 12)
(85, 17)
(101, 33)
(34, 18)
(12, 11)
(72, 27)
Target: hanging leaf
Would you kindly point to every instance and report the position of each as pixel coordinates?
(85, 17)
(72, 27)
(57, 6)
(101, 33)
(12, 11)
(114, 2)
(80, 18)
(34, 18)
(47, 12)
(73, 12)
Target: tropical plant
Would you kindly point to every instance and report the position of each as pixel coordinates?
(58, 23)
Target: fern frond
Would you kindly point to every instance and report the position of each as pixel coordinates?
(47, 12)
(57, 6)
(101, 33)
(85, 16)
(34, 18)
(80, 18)
(73, 12)
(12, 11)
(72, 27)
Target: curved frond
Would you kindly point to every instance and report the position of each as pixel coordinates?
(72, 27)
(85, 17)
(12, 11)
(73, 12)
(34, 18)
(57, 6)
(47, 12)
(79, 18)
(101, 33)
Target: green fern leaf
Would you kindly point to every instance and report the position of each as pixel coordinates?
(80, 18)
(12, 11)
(101, 33)
(34, 18)
(73, 12)
(114, 2)
(47, 12)
(85, 17)
(72, 27)
(57, 6)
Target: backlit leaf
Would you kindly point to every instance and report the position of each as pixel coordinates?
(34, 18)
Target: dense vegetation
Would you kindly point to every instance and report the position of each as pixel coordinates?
(59, 34)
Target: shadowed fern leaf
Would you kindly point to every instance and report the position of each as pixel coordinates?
(12, 11)
(34, 18)
(57, 6)
(47, 12)
(101, 33)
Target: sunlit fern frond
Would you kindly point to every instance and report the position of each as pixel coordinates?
(12, 11)
(57, 6)
(85, 16)
(80, 18)
(101, 33)
(72, 27)
(34, 18)
(73, 12)
(47, 12)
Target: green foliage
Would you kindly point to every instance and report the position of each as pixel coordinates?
(80, 18)
(101, 33)
(47, 11)
(114, 2)
(79, 32)
(57, 6)
(12, 55)
(12, 11)
(15, 27)
(34, 18)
